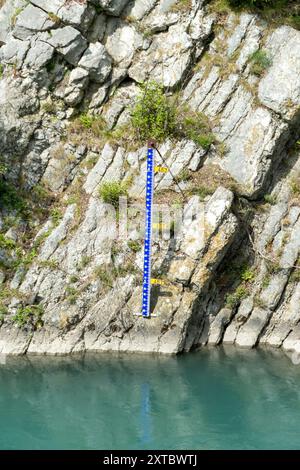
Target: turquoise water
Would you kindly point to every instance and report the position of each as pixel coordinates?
(214, 399)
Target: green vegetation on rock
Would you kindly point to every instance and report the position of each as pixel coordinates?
(30, 315)
(181, 6)
(273, 11)
(158, 116)
(234, 299)
(153, 116)
(259, 63)
(134, 245)
(111, 191)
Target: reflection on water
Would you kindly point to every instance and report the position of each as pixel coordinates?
(214, 399)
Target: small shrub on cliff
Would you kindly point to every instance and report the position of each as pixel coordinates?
(87, 129)
(194, 126)
(158, 116)
(3, 168)
(56, 215)
(6, 243)
(29, 315)
(260, 62)
(105, 275)
(10, 198)
(295, 186)
(3, 312)
(110, 192)
(270, 199)
(86, 120)
(134, 245)
(234, 299)
(184, 175)
(153, 117)
(54, 18)
(247, 274)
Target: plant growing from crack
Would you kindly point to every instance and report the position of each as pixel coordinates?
(158, 116)
(30, 315)
(259, 63)
(111, 191)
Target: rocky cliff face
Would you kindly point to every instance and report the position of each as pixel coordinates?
(65, 285)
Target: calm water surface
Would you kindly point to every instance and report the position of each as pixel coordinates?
(214, 399)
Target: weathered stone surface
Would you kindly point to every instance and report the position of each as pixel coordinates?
(99, 169)
(239, 33)
(161, 17)
(250, 144)
(97, 62)
(249, 333)
(167, 59)
(284, 321)
(250, 45)
(201, 26)
(97, 29)
(218, 325)
(39, 54)
(239, 319)
(68, 42)
(137, 9)
(14, 52)
(76, 13)
(113, 7)
(6, 15)
(119, 107)
(19, 340)
(78, 81)
(279, 89)
(18, 98)
(30, 21)
(122, 41)
(292, 342)
(272, 225)
(217, 208)
(273, 292)
(58, 234)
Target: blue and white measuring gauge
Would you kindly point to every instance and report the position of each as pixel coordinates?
(148, 234)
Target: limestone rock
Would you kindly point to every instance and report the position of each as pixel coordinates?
(39, 54)
(217, 208)
(7, 12)
(120, 105)
(122, 41)
(137, 9)
(79, 14)
(239, 33)
(218, 325)
(279, 89)
(272, 293)
(68, 42)
(78, 81)
(97, 62)
(18, 98)
(96, 31)
(167, 59)
(14, 52)
(31, 20)
(248, 334)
